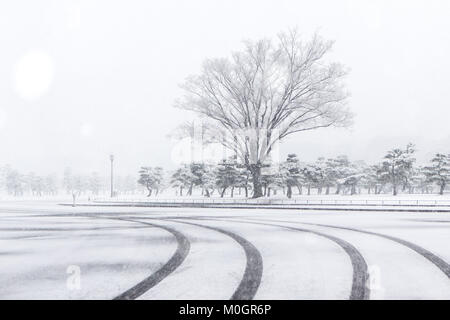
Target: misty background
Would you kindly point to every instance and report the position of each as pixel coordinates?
(82, 79)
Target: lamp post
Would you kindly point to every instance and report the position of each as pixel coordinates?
(111, 157)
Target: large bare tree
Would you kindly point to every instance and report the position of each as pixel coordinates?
(267, 91)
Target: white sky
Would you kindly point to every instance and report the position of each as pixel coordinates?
(81, 79)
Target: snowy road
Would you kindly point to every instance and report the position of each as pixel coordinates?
(49, 251)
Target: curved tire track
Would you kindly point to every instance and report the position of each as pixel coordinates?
(253, 270)
(430, 256)
(434, 259)
(174, 262)
(360, 290)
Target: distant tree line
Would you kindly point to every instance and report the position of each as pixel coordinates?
(396, 173)
(15, 183)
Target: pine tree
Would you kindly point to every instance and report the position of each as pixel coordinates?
(398, 166)
(182, 178)
(151, 178)
(439, 171)
(354, 176)
(208, 180)
(290, 173)
(311, 174)
(227, 176)
(243, 179)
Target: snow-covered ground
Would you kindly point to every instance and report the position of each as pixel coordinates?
(61, 252)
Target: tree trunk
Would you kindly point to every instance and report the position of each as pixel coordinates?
(232, 191)
(255, 170)
(190, 189)
(394, 190)
(327, 190)
(309, 190)
(268, 192)
(246, 192)
(74, 196)
(207, 193)
(181, 191)
(338, 189)
(441, 189)
(300, 189)
(289, 191)
(149, 192)
(223, 192)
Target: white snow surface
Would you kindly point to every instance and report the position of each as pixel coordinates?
(40, 240)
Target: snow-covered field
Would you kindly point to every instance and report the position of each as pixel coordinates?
(54, 252)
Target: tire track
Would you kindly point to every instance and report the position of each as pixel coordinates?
(174, 262)
(360, 290)
(253, 270)
(434, 259)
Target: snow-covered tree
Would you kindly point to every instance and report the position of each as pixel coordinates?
(151, 178)
(439, 171)
(244, 179)
(34, 184)
(227, 176)
(409, 161)
(266, 92)
(337, 169)
(269, 181)
(312, 174)
(321, 174)
(355, 175)
(50, 184)
(291, 173)
(14, 182)
(198, 171)
(420, 180)
(208, 181)
(182, 178)
(398, 166)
